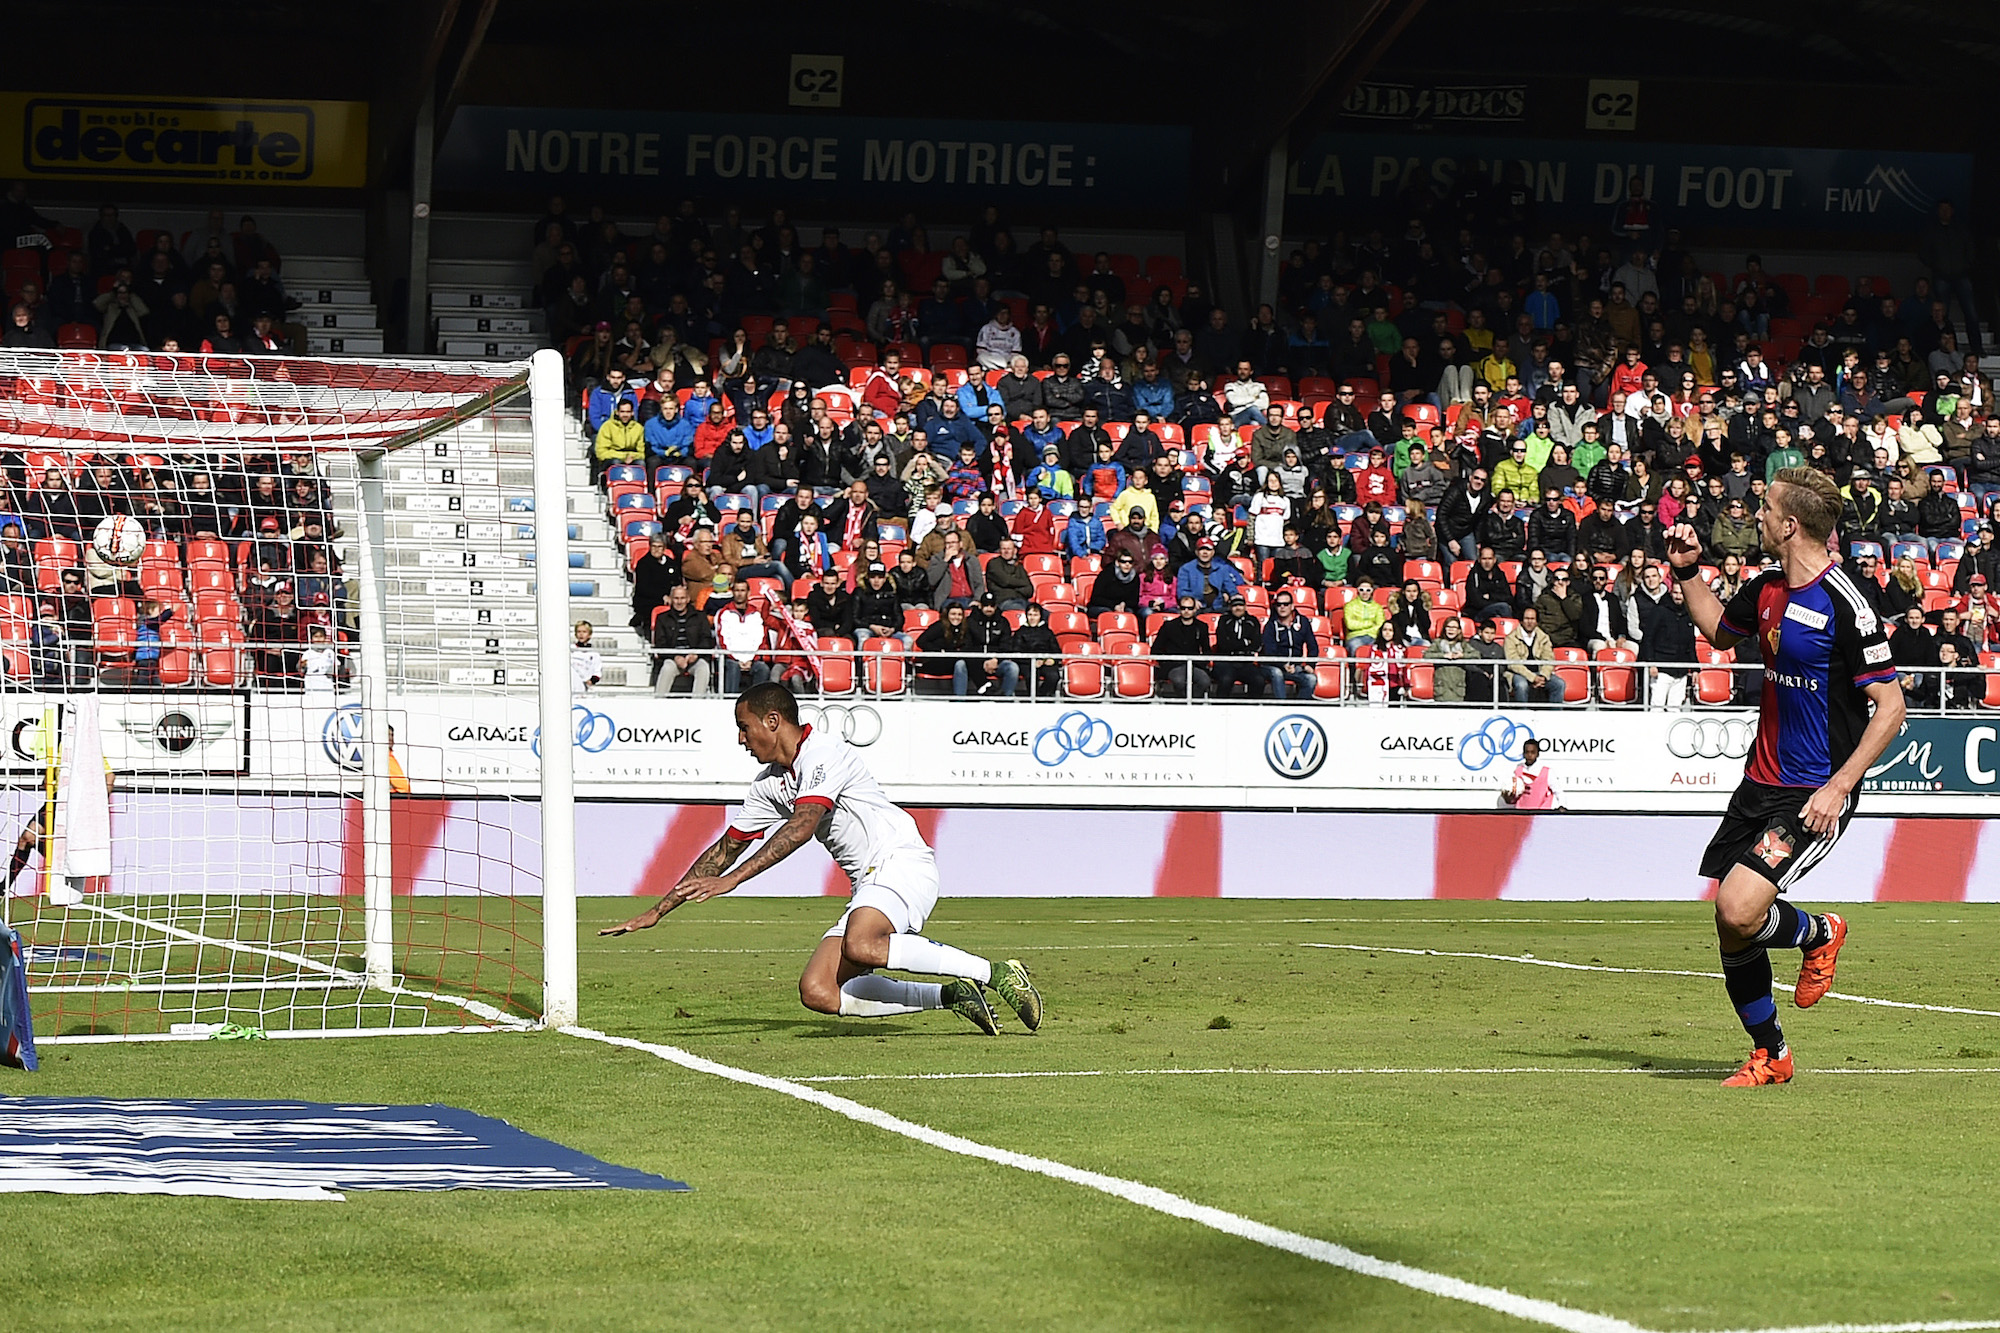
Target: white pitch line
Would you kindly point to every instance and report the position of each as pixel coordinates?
(1349, 1073)
(1643, 972)
(1505, 1302)
(1529, 1308)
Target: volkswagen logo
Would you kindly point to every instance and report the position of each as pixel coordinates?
(1295, 746)
(344, 738)
(1073, 733)
(1499, 738)
(1711, 737)
(593, 731)
(858, 724)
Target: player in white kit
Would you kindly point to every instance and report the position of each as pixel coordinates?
(815, 785)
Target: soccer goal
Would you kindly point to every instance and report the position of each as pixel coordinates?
(248, 608)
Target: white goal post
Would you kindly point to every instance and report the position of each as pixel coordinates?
(335, 549)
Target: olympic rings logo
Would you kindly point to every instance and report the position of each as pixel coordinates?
(1073, 733)
(859, 725)
(594, 731)
(1711, 738)
(1500, 738)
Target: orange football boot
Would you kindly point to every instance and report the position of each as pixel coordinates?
(1816, 969)
(1760, 1069)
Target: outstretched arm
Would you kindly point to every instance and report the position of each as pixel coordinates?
(705, 878)
(714, 861)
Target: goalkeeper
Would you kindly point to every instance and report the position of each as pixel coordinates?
(814, 784)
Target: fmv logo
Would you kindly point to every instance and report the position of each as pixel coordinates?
(1295, 747)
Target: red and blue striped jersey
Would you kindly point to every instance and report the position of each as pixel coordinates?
(1822, 645)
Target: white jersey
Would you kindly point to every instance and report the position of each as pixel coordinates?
(865, 827)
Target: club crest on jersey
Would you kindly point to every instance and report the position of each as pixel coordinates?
(1772, 848)
(1771, 638)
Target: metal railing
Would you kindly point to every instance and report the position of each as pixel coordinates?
(1333, 681)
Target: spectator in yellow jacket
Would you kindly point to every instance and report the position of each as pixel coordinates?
(621, 439)
(1137, 494)
(1515, 473)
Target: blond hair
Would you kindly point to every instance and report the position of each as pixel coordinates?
(1812, 498)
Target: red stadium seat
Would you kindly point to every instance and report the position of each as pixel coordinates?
(1992, 697)
(1082, 679)
(883, 666)
(113, 623)
(1712, 682)
(836, 666)
(177, 647)
(918, 619)
(1617, 681)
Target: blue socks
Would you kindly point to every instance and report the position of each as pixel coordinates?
(1747, 975)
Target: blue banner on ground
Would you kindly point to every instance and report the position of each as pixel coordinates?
(1578, 182)
(1938, 754)
(919, 162)
(281, 1150)
(17, 1024)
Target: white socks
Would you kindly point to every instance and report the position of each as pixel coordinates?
(914, 953)
(871, 996)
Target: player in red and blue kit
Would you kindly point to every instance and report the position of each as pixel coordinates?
(1826, 662)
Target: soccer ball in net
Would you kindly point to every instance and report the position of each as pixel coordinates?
(119, 540)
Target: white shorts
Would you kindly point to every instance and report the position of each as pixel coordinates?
(903, 887)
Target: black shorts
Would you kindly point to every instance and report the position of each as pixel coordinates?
(1762, 829)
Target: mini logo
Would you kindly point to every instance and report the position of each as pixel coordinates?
(176, 733)
(1073, 733)
(344, 737)
(1295, 746)
(1772, 848)
(1500, 737)
(858, 724)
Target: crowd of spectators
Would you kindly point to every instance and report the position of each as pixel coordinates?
(1449, 457)
(209, 289)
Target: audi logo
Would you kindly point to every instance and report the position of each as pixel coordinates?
(859, 725)
(1711, 737)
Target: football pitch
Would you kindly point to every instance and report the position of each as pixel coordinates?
(1239, 1115)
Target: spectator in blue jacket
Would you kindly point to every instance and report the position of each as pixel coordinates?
(700, 400)
(605, 397)
(758, 429)
(948, 430)
(670, 435)
(1084, 534)
(1152, 393)
(1042, 431)
(1288, 638)
(1209, 581)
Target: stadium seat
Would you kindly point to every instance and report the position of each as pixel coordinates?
(884, 666)
(1083, 679)
(1329, 680)
(1617, 681)
(1991, 661)
(114, 627)
(1132, 677)
(836, 666)
(1712, 682)
(78, 337)
(1423, 675)
(177, 648)
(919, 618)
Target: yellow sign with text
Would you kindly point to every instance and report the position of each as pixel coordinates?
(47, 137)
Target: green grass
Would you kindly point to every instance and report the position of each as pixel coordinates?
(1654, 1196)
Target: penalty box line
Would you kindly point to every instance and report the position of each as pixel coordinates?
(1528, 1308)
(1530, 961)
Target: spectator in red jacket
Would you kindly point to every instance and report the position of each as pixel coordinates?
(1377, 481)
(1034, 525)
(882, 393)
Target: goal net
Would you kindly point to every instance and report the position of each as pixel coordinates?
(247, 606)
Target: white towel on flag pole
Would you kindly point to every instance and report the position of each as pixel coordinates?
(83, 804)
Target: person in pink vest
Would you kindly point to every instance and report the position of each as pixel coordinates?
(1532, 787)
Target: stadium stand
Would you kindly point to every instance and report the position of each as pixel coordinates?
(1351, 442)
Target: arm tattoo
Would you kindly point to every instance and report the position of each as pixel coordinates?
(716, 859)
(793, 834)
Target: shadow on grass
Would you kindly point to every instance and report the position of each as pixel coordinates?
(1658, 1066)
